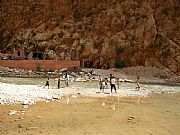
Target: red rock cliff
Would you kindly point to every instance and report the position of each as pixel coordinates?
(106, 33)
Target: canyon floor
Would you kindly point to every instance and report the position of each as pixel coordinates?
(141, 113)
(155, 115)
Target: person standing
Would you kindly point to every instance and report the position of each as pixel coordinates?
(67, 79)
(113, 83)
(138, 84)
(111, 75)
(100, 83)
(103, 85)
(118, 83)
(59, 83)
(106, 83)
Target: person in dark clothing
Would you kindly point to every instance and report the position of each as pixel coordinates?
(118, 82)
(106, 83)
(100, 83)
(47, 83)
(67, 79)
(110, 78)
(59, 83)
(113, 83)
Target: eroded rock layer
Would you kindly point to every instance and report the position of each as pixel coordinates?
(106, 33)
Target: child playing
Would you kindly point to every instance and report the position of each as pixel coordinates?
(137, 83)
(47, 83)
(103, 85)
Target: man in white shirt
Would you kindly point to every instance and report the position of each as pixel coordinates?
(113, 83)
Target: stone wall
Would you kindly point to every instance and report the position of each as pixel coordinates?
(41, 64)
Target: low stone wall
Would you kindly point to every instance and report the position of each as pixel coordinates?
(41, 64)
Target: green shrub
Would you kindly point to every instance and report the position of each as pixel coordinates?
(120, 64)
(166, 53)
(38, 67)
(165, 11)
(120, 49)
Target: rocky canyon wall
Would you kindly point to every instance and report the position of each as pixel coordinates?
(106, 33)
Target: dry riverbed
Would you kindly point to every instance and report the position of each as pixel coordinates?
(158, 114)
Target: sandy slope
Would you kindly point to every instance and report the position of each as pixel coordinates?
(146, 74)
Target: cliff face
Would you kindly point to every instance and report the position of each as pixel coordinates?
(106, 33)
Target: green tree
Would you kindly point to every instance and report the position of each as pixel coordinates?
(120, 64)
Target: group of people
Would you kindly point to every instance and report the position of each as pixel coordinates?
(58, 82)
(113, 82)
(103, 83)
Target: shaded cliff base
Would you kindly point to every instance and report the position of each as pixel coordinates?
(146, 74)
(128, 74)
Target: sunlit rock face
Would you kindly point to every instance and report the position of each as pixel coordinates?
(103, 32)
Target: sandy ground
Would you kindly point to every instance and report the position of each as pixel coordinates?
(30, 94)
(155, 115)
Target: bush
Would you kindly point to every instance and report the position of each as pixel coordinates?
(119, 50)
(120, 64)
(166, 53)
(38, 67)
(165, 11)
